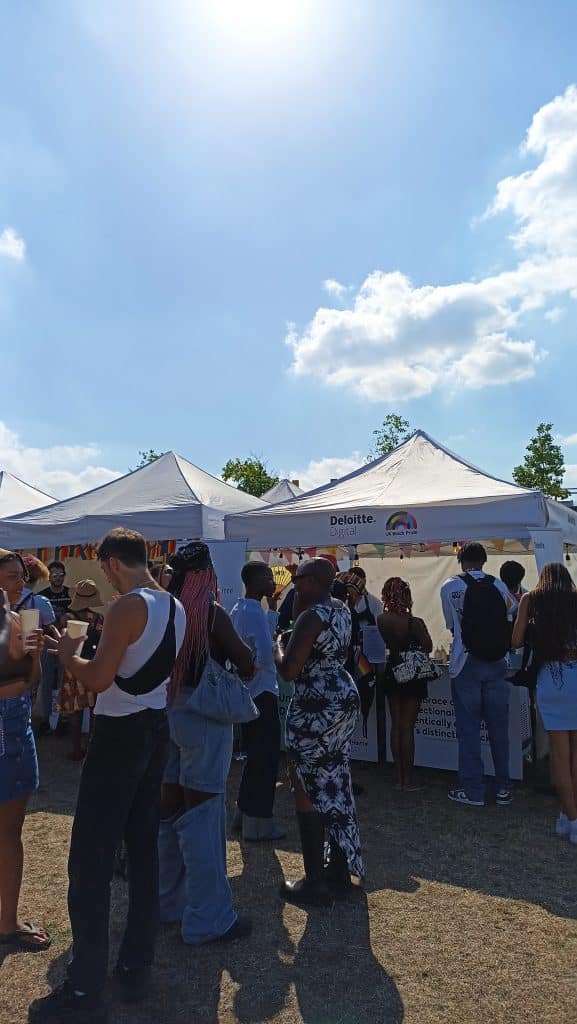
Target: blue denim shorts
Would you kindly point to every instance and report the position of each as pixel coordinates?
(18, 760)
(200, 750)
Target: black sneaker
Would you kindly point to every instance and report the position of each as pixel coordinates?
(241, 929)
(64, 1005)
(133, 982)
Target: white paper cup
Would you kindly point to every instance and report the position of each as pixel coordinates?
(29, 621)
(76, 629)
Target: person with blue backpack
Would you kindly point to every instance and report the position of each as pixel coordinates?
(478, 610)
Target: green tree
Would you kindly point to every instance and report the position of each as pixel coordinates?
(394, 430)
(145, 458)
(544, 465)
(250, 475)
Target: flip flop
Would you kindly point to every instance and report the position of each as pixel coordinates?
(26, 939)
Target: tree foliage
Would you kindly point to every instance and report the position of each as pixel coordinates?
(250, 475)
(544, 465)
(393, 431)
(145, 458)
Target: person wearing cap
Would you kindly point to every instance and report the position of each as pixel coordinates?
(74, 697)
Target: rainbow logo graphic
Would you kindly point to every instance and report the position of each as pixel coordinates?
(401, 523)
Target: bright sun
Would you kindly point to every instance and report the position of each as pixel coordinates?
(258, 22)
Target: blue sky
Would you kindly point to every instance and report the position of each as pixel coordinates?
(177, 183)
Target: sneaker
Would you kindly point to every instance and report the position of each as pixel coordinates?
(241, 929)
(64, 1005)
(504, 797)
(458, 796)
(562, 826)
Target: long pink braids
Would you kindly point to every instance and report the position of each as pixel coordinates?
(199, 590)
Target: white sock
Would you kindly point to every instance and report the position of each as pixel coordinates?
(80, 994)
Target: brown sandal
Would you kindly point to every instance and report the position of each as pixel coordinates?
(26, 939)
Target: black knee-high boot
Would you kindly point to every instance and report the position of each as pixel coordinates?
(337, 872)
(312, 890)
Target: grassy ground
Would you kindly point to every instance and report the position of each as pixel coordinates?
(468, 916)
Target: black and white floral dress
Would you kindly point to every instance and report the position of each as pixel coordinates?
(320, 723)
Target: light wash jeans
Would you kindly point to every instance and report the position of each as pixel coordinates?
(194, 887)
(481, 692)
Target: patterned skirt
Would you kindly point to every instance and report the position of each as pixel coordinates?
(318, 742)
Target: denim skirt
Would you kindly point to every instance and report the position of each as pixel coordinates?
(557, 696)
(18, 760)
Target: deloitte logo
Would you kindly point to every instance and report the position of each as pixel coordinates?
(346, 526)
(401, 524)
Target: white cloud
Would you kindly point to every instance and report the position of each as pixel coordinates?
(397, 341)
(333, 287)
(568, 439)
(555, 314)
(12, 246)
(61, 471)
(322, 471)
(571, 475)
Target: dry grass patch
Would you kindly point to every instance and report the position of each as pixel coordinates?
(468, 916)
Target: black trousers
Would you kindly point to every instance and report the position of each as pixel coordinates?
(119, 797)
(261, 742)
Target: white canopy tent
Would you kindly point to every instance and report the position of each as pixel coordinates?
(167, 499)
(16, 496)
(417, 494)
(283, 490)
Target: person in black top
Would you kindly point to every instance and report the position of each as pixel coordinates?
(57, 593)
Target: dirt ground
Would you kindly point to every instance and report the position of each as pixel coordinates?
(467, 916)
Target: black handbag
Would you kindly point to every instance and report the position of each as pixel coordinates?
(529, 671)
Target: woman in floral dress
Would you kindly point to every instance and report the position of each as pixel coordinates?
(320, 723)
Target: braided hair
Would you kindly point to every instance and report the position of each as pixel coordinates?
(195, 585)
(397, 597)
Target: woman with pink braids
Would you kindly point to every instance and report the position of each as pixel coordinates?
(402, 632)
(194, 888)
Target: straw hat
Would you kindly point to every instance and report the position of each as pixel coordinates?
(86, 595)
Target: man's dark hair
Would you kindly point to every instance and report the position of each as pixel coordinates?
(128, 546)
(57, 565)
(512, 574)
(359, 571)
(251, 571)
(472, 554)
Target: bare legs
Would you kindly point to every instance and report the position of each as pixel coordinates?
(404, 713)
(563, 747)
(11, 862)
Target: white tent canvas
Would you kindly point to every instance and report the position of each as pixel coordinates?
(419, 493)
(283, 490)
(167, 499)
(16, 496)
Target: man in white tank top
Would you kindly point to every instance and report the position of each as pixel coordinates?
(119, 795)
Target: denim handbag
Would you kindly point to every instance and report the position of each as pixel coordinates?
(222, 696)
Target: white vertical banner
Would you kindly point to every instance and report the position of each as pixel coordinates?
(548, 546)
(228, 558)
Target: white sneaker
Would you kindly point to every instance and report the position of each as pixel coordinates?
(562, 825)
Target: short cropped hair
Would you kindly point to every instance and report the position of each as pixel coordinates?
(57, 565)
(128, 546)
(473, 552)
(512, 574)
(251, 571)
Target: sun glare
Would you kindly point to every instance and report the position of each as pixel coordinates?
(258, 22)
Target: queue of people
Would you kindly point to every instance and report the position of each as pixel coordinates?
(169, 674)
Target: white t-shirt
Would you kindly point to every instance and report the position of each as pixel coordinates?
(257, 629)
(116, 702)
(452, 598)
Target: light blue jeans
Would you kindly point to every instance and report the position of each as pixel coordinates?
(481, 692)
(194, 887)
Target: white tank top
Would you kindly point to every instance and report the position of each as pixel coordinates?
(116, 702)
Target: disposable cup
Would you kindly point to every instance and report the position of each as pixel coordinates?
(76, 629)
(29, 621)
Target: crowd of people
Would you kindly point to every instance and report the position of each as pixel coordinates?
(166, 676)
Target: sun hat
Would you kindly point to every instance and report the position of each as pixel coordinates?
(86, 595)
